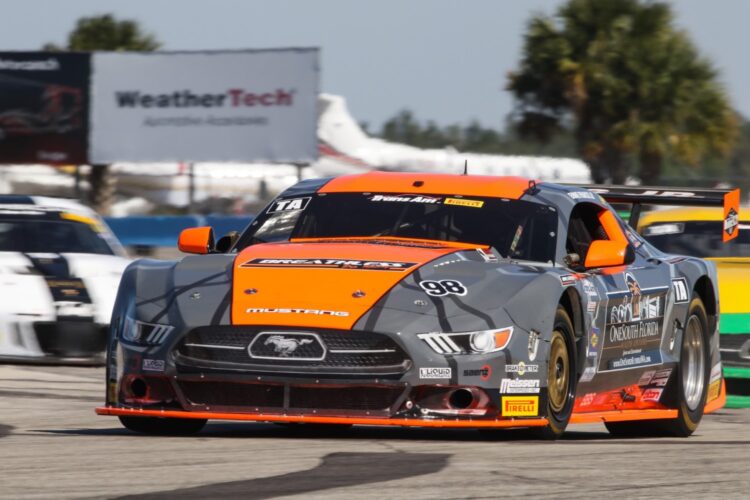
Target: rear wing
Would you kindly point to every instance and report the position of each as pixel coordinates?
(637, 196)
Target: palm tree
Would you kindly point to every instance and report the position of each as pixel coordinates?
(627, 81)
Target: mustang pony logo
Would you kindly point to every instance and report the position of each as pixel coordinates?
(285, 346)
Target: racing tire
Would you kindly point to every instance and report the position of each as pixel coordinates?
(163, 426)
(691, 384)
(561, 378)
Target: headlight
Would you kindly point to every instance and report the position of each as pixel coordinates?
(481, 342)
(142, 333)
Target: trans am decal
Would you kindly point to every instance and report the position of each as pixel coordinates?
(371, 265)
(289, 205)
(633, 327)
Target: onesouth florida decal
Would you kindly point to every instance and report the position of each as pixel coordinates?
(365, 265)
(633, 327)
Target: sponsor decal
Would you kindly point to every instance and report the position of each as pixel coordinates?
(483, 373)
(487, 255)
(646, 378)
(590, 289)
(277, 310)
(50, 64)
(568, 279)
(520, 406)
(715, 373)
(680, 290)
(594, 336)
(153, 365)
(519, 386)
(234, 98)
(651, 395)
(587, 399)
(633, 327)
(291, 205)
(406, 198)
(367, 265)
(443, 287)
(430, 373)
(660, 378)
(582, 195)
(464, 203)
(588, 374)
(714, 389)
(521, 368)
(731, 222)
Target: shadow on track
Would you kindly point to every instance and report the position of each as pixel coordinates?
(270, 431)
(336, 470)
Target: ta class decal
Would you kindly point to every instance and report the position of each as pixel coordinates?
(680, 289)
(290, 205)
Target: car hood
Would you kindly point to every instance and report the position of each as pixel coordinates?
(320, 284)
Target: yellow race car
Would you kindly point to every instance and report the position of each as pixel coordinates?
(698, 232)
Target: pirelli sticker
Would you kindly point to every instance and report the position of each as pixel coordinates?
(520, 406)
(464, 203)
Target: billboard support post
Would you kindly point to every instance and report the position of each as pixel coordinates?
(300, 166)
(191, 185)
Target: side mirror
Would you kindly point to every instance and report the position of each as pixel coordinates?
(227, 241)
(198, 240)
(606, 253)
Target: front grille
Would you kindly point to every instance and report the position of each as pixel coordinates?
(294, 351)
(343, 397)
(261, 396)
(219, 393)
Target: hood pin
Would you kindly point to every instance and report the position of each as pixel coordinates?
(195, 295)
(358, 294)
(420, 303)
(251, 291)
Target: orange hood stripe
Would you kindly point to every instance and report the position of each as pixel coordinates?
(319, 285)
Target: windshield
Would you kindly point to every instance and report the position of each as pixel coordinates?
(29, 235)
(516, 229)
(697, 238)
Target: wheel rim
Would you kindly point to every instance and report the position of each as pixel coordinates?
(559, 373)
(693, 363)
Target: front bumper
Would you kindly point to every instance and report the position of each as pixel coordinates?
(75, 342)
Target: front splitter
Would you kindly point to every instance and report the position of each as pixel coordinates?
(315, 419)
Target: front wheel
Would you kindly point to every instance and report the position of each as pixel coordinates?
(691, 385)
(163, 426)
(561, 378)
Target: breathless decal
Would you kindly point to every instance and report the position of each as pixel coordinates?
(366, 265)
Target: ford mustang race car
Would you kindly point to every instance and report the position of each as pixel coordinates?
(419, 300)
(697, 232)
(59, 271)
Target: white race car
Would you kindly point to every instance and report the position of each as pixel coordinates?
(60, 267)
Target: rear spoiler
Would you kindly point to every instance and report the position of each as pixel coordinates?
(637, 196)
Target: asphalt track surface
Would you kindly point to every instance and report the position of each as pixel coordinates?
(52, 445)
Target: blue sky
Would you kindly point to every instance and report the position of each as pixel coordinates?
(444, 59)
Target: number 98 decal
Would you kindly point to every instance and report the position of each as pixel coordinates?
(443, 287)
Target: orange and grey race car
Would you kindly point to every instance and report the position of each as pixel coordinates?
(421, 300)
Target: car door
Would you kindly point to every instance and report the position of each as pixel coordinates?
(626, 307)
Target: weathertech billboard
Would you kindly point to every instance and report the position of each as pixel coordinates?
(204, 106)
(43, 107)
